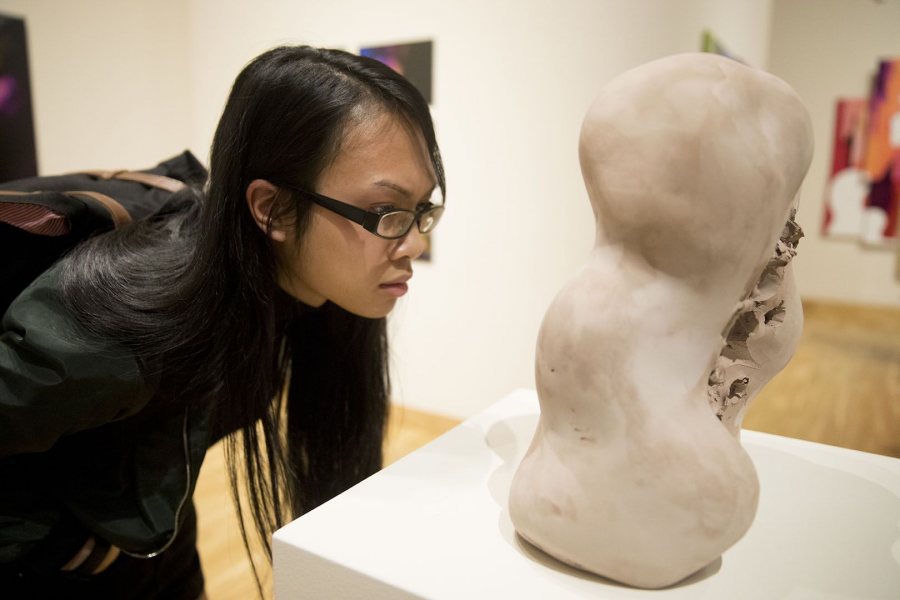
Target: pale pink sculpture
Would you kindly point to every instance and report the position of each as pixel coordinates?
(691, 163)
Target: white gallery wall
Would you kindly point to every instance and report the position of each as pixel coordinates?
(127, 83)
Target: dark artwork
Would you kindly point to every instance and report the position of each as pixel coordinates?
(18, 157)
(413, 61)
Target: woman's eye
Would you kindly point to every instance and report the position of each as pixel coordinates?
(383, 209)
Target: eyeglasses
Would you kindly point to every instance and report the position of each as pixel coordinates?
(390, 225)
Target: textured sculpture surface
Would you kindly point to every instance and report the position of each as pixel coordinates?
(691, 163)
(764, 333)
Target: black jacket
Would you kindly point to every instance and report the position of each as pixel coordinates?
(86, 443)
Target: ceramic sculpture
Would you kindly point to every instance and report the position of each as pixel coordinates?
(691, 163)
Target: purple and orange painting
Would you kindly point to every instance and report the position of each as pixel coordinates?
(882, 158)
(845, 195)
(862, 198)
(18, 157)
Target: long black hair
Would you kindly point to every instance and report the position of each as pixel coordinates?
(302, 395)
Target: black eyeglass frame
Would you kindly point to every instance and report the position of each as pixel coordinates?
(369, 220)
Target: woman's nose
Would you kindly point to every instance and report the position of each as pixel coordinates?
(412, 245)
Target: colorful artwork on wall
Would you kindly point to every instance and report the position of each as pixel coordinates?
(862, 198)
(18, 157)
(882, 157)
(845, 196)
(413, 61)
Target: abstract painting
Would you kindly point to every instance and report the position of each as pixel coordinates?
(882, 156)
(862, 198)
(413, 61)
(848, 186)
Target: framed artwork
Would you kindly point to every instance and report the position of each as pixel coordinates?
(18, 156)
(862, 197)
(882, 156)
(845, 194)
(413, 61)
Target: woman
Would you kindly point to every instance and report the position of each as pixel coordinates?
(254, 310)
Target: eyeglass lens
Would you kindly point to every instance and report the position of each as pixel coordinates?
(398, 224)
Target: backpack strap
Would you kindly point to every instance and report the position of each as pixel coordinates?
(118, 213)
(149, 179)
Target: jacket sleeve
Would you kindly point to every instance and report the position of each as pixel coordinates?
(56, 378)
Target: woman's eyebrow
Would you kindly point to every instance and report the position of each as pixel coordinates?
(402, 190)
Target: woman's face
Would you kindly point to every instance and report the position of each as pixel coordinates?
(382, 163)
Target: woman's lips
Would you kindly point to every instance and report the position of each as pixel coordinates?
(395, 289)
(398, 286)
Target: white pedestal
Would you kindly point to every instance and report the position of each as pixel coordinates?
(435, 525)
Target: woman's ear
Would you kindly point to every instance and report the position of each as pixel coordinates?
(261, 196)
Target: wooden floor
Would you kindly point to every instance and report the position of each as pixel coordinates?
(843, 385)
(842, 388)
(225, 563)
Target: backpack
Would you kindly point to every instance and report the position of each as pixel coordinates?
(43, 218)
